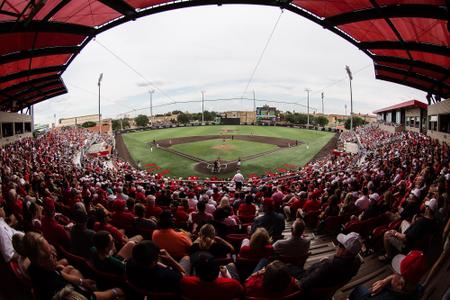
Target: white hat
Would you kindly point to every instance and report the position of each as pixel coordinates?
(374, 196)
(351, 242)
(416, 192)
(432, 204)
(447, 176)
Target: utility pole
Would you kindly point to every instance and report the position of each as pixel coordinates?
(203, 107)
(323, 113)
(345, 106)
(151, 106)
(307, 107)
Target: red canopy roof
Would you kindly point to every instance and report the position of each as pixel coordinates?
(408, 40)
(410, 103)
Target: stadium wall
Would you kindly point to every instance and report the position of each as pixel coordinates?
(14, 127)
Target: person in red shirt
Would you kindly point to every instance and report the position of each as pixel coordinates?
(121, 218)
(152, 209)
(259, 246)
(102, 224)
(273, 281)
(247, 210)
(208, 284)
(52, 230)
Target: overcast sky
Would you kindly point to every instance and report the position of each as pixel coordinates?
(215, 49)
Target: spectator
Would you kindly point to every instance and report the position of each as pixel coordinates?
(415, 237)
(48, 277)
(247, 210)
(401, 285)
(208, 241)
(200, 217)
(52, 231)
(273, 281)
(208, 284)
(140, 222)
(272, 221)
(335, 271)
(174, 242)
(146, 272)
(6, 234)
(296, 246)
(104, 254)
(81, 237)
(259, 246)
(103, 224)
(238, 180)
(152, 209)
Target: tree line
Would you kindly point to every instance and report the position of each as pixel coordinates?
(186, 117)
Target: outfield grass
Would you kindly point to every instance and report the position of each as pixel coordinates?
(229, 150)
(312, 142)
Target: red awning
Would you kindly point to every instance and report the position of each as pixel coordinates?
(406, 104)
(408, 40)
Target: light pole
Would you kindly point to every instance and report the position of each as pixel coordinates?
(151, 106)
(203, 107)
(350, 77)
(307, 107)
(323, 113)
(99, 116)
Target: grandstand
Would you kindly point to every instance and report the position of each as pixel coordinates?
(372, 224)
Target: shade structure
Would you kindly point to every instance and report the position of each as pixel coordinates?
(408, 40)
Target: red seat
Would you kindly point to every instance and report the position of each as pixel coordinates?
(236, 239)
(139, 293)
(246, 219)
(293, 296)
(245, 267)
(17, 271)
(332, 224)
(78, 262)
(312, 218)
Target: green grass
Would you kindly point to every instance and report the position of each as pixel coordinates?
(312, 142)
(229, 150)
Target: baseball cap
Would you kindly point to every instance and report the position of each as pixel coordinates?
(351, 242)
(432, 204)
(411, 266)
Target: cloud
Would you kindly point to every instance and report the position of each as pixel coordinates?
(215, 49)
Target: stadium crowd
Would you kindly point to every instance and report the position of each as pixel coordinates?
(105, 230)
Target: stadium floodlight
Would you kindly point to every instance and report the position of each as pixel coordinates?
(99, 116)
(350, 77)
(307, 108)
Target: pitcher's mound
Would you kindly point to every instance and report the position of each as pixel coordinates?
(225, 147)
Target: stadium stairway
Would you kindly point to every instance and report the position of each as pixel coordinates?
(323, 246)
(371, 270)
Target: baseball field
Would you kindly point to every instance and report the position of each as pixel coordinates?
(219, 151)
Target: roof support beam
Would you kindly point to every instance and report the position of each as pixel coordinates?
(397, 11)
(120, 6)
(414, 63)
(38, 26)
(25, 84)
(441, 50)
(38, 52)
(32, 72)
(407, 74)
